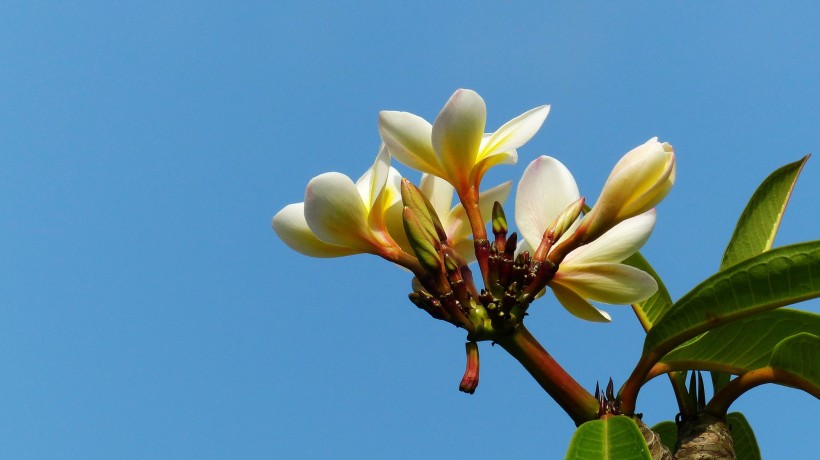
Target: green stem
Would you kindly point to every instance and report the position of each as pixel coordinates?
(578, 403)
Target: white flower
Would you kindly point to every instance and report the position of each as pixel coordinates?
(590, 272)
(637, 183)
(339, 217)
(455, 147)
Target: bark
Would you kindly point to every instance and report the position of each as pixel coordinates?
(704, 438)
(653, 440)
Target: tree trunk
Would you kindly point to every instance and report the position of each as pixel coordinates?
(704, 438)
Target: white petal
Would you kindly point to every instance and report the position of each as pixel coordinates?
(408, 137)
(440, 194)
(389, 197)
(546, 188)
(577, 305)
(289, 224)
(618, 243)
(487, 199)
(372, 181)
(335, 213)
(515, 132)
(457, 133)
(608, 283)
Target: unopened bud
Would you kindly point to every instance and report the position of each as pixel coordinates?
(470, 380)
(412, 198)
(640, 180)
(424, 244)
(499, 219)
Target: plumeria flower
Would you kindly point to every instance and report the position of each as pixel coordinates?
(340, 217)
(455, 146)
(637, 183)
(453, 219)
(590, 272)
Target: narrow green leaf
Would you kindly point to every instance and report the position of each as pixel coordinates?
(758, 224)
(652, 309)
(741, 346)
(776, 278)
(744, 438)
(668, 432)
(799, 355)
(613, 438)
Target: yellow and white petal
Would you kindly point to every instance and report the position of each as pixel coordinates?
(440, 194)
(408, 138)
(388, 198)
(291, 227)
(546, 188)
(487, 198)
(335, 213)
(466, 249)
(457, 134)
(504, 158)
(372, 181)
(577, 305)
(608, 283)
(514, 133)
(618, 243)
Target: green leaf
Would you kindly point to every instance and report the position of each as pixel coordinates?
(612, 438)
(652, 309)
(668, 431)
(741, 346)
(758, 224)
(776, 278)
(743, 437)
(799, 355)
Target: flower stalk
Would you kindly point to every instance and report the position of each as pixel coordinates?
(577, 402)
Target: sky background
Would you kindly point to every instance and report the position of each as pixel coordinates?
(149, 311)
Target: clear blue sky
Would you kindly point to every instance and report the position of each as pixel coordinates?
(149, 311)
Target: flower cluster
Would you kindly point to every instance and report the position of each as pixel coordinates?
(578, 257)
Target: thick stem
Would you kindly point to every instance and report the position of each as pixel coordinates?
(705, 437)
(629, 392)
(469, 200)
(724, 398)
(571, 396)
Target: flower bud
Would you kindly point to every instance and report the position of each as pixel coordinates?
(412, 198)
(424, 243)
(470, 380)
(640, 180)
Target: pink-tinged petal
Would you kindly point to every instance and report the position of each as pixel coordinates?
(457, 134)
(608, 283)
(577, 305)
(618, 243)
(289, 224)
(335, 213)
(546, 188)
(408, 138)
(440, 194)
(515, 132)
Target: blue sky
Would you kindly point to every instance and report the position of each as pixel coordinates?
(148, 310)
